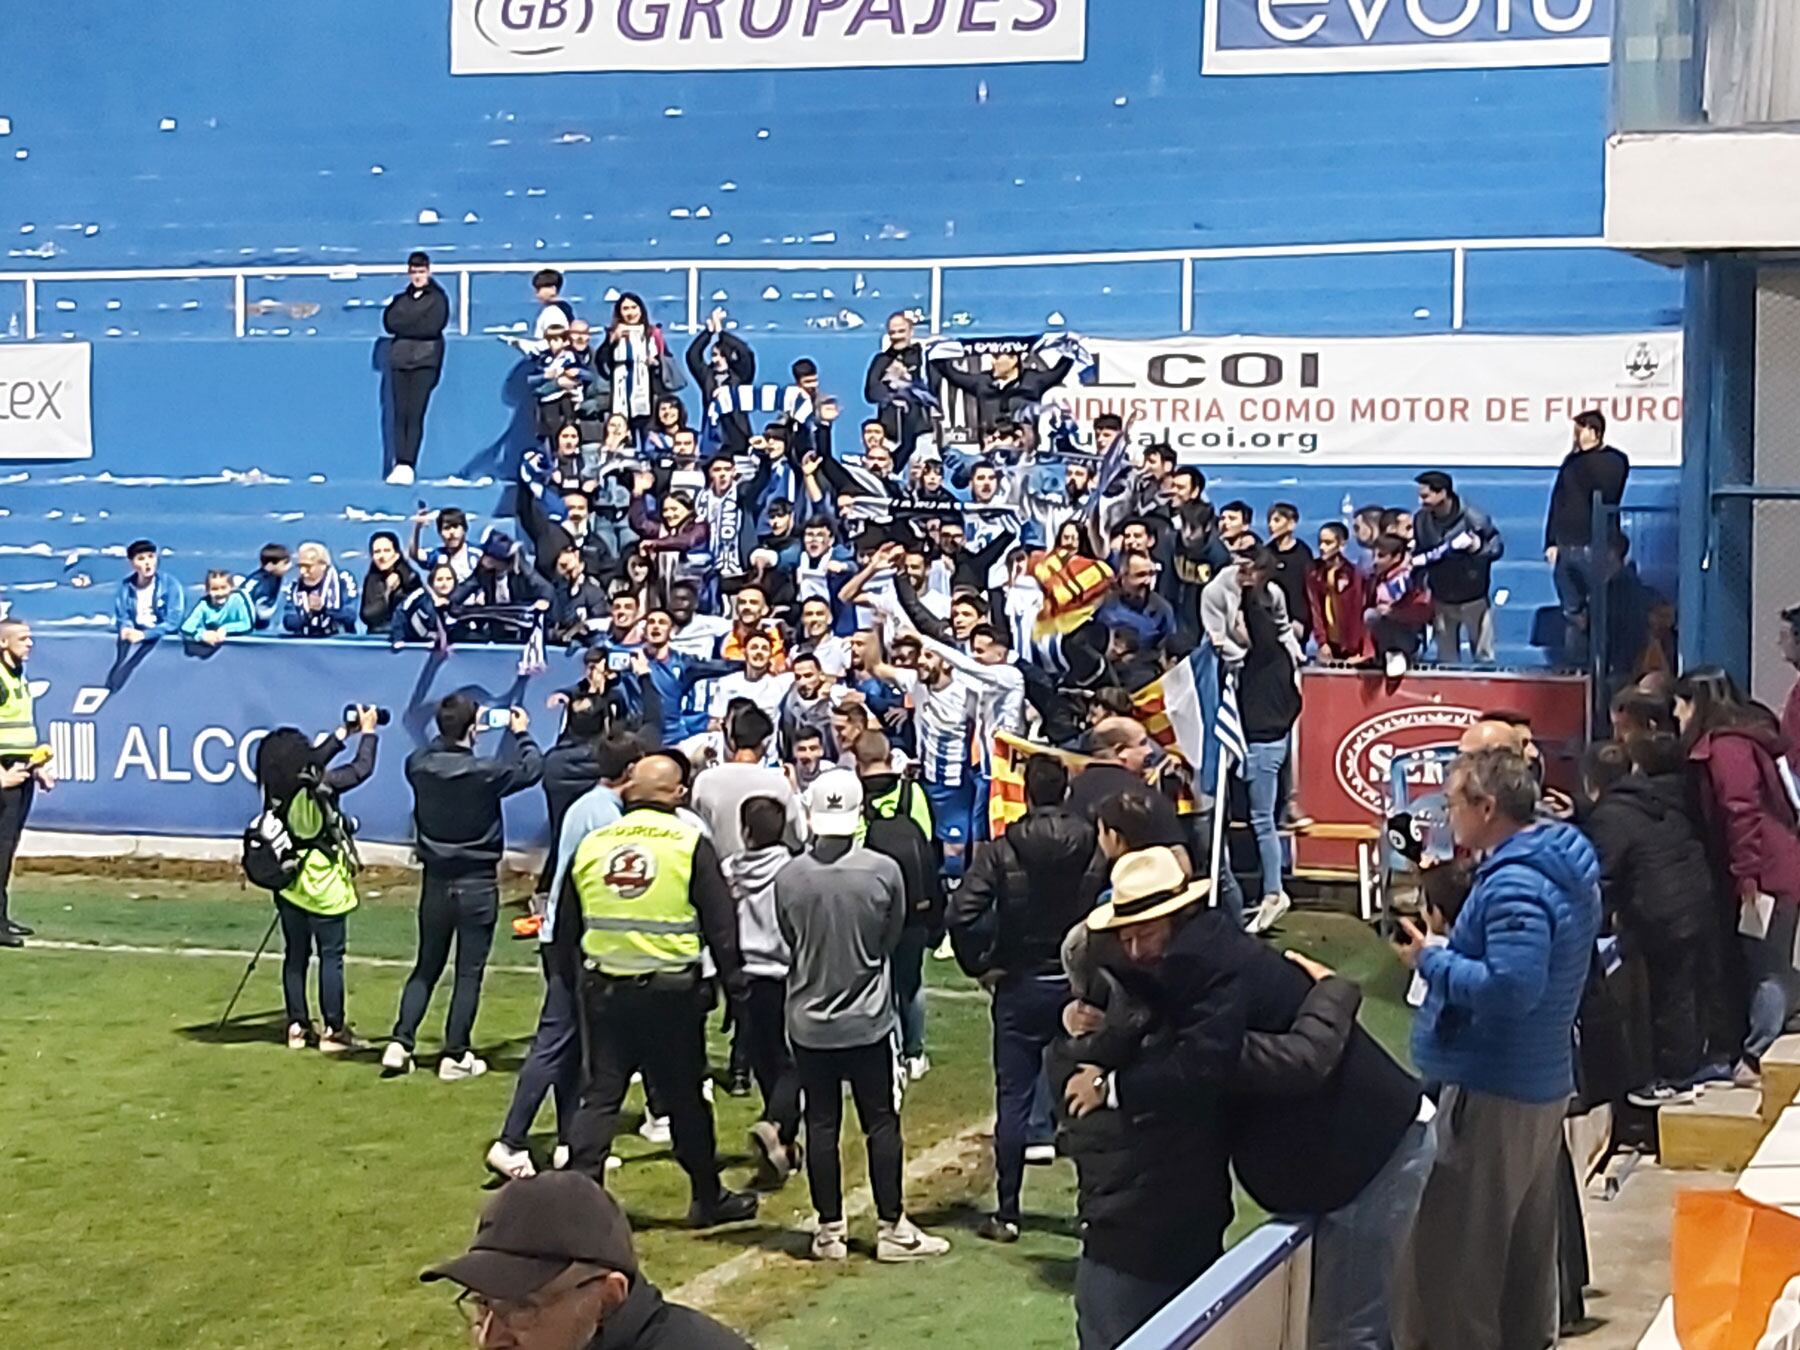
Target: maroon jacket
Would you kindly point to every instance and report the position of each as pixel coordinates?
(1750, 821)
(1337, 593)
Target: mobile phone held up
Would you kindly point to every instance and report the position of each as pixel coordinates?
(494, 719)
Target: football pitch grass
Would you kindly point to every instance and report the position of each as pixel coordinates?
(172, 1184)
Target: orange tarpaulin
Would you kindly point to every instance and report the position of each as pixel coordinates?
(1731, 1257)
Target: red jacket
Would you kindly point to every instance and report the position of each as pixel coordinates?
(1337, 593)
(1750, 821)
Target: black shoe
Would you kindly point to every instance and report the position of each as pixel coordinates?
(15, 927)
(729, 1207)
(738, 1084)
(996, 1229)
(8, 938)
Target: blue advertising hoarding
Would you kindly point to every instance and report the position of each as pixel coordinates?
(1289, 37)
(155, 740)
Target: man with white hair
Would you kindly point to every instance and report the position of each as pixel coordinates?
(840, 909)
(320, 599)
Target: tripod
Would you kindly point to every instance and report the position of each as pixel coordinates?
(248, 971)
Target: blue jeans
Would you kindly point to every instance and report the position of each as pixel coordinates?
(1027, 1017)
(463, 909)
(1579, 571)
(909, 989)
(301, 931)
(1230, 897)
(1774, 984)
(1262, 771)
(1355, 1248)
(554, 1063)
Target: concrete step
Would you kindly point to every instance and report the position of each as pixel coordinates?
(1719, 1130)
(1781, 1077)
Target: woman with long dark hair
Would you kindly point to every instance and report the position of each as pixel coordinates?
(1732, 746)
(634, 361)
(389, 581)
(426, 615)
(302, 792)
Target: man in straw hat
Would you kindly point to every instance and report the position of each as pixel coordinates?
(1317, 1118)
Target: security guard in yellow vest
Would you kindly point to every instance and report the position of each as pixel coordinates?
(651, 895)
(24, 766)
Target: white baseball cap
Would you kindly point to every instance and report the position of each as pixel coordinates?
(834, 804)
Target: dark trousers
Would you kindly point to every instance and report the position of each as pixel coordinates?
(461, 908)
(1390, 635)
(762, 1031)
(659, 1028)
(1027, 1017)
(554, 1064)
(15, 805)
(909, 988)
(1677, 1032)
(874, 1078)
(301, 932)
(1110, 1305)
(412, 391)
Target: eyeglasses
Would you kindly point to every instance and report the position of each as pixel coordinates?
(478, 1310)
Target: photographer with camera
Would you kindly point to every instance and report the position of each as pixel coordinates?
(301, 793)
(460, 836)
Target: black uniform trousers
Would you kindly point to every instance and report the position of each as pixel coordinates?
(655, 1025)
(15, 806)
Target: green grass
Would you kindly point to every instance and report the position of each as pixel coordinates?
(171, 1185)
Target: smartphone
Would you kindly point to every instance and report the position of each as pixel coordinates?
(618, 662)
(494, 719)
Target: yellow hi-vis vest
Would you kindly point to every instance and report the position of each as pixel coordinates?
(632, 879)
(18, 731)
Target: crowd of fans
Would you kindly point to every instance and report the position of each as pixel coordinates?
(807, 650)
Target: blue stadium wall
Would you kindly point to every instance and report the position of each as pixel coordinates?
(225, 136)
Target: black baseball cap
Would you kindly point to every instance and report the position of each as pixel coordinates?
(533, 1230)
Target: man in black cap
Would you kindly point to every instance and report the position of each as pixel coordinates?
(552, 1268)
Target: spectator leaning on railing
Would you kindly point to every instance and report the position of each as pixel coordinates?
(150, 604)
(320, 599)
(219, 614)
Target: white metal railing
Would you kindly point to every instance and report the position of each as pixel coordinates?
(1455, 250)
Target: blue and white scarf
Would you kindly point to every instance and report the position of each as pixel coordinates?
(633, 351)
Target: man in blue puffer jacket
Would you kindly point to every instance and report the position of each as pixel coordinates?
(1497, 1032)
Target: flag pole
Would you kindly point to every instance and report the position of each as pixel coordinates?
(1220, 808)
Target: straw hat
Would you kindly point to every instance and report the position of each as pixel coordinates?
(1148, 884)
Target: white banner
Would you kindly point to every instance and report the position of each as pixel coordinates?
(1413, 401)
(510, 37)
(44, 400)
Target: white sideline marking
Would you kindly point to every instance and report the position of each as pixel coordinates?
(378, 962)
(956, 1152)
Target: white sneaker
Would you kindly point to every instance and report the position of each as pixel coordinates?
(656, 1129)
(831, 1242)
(1040, 1155)
(706, 1089)
(512, 1163)
(296, 1036)
(904, 1241)
(455, 1070)
(401, 475)
(1269, 912)
(917, 1067)
(395, 1060)
(944, 950)
(559, 1157)
(338, 1042)
(1396, 665)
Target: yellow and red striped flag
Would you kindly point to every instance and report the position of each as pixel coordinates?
(1073, 588)
(1006, 787)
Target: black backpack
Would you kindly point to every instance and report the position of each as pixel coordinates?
(899, 837)
(271, 858)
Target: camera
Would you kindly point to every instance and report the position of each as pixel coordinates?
(382, 716)
(494, 719)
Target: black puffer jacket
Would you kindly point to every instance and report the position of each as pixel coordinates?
(1024, 892)
(1153, 1188)
(415, 319)
(1655, 882)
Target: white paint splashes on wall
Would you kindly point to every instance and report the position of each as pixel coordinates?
(723, 239)
(167, 124)
(428, 217)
